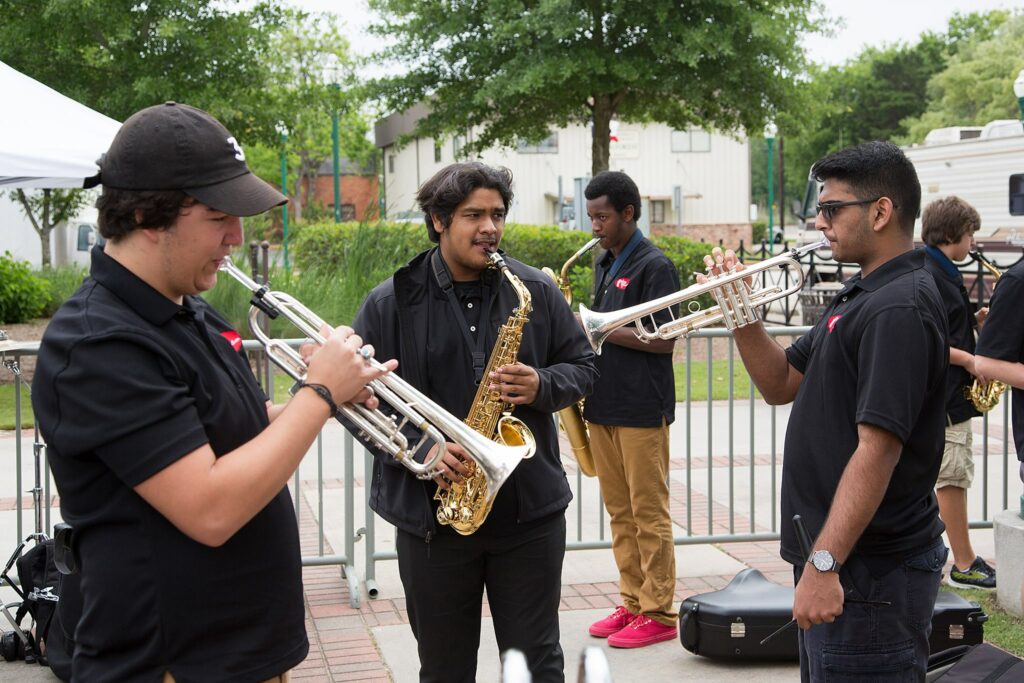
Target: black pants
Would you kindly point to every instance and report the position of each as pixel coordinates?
(444, 581)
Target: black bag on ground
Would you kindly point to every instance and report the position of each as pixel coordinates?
(53, 599)
(982, 663)
(731, 623)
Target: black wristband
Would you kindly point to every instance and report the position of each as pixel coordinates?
(324, 393)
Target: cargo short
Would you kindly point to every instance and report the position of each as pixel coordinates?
(957, 467)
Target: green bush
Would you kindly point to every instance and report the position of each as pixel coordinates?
(337, 264)
(23, 296)
(62, 283)
(759, 230)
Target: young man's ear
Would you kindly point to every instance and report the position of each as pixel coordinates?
(884, 214)
(438, 223)
(628, 213)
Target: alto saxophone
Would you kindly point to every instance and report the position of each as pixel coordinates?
(571, 417)
(985, 395)
(465, 506)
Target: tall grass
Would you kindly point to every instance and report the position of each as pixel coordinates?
(63, 282)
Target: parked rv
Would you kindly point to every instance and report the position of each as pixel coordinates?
(984, 166)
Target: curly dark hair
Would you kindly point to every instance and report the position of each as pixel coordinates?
(450, 186)
(947, 220)
(618, 187)
(121, 211)
(876, 169)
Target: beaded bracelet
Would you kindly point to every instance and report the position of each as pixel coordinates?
(324, 393)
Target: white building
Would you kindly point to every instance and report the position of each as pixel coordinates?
(693, 183)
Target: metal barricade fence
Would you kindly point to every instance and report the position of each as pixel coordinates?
(723, 485)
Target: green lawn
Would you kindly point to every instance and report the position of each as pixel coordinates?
(7, 408)
(1002, 629)
(719, 381)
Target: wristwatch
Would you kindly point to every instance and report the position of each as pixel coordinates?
(823, 561)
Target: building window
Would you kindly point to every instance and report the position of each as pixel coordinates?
(437, 152)
(658, 211)
(458, 142)
(692, 140)
(548, 145)
(391, 163)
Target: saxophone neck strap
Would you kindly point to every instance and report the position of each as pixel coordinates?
(477, 346)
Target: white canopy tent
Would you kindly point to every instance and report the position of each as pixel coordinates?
(47, 139)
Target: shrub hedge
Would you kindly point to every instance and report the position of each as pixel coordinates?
(23, 296)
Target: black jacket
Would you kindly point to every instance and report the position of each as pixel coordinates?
(394, 319)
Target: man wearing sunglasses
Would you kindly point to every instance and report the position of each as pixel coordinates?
(865, 428)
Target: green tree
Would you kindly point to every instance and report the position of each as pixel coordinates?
(874, 96)
(977, 85)
(119, 56)
(512, 69)
(45, 210)
(311, 74)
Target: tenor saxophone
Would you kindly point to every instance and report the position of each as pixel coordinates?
(465, 506)
(571, 417)
(985, 395)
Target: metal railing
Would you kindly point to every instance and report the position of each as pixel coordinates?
(723, 487)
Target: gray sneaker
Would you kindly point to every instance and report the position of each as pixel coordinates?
(978, 575)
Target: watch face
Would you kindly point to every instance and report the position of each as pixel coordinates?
(822, 560)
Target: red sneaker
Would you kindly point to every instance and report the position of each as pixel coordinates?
(616, 621)
(641, 632)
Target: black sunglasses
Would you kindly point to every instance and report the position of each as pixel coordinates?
(828, 209)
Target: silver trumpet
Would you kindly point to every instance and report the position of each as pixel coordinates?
(737, 302)
(385, 431)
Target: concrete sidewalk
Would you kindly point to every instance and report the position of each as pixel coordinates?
(373, 642)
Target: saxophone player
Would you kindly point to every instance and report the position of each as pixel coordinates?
(947, 229)
(443, 316)
(629, 415)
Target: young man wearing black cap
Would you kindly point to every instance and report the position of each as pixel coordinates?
(170, 462)
(866, 427)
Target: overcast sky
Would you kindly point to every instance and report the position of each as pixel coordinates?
(865, 22)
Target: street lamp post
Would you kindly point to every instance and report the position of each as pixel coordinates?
(1018, 90)
(335, 155)
(770, 131)
(283, 130)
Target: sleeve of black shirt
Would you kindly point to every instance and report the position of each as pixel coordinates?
(799, 352)
(570, 372)
(899, 362)
(1002, 335)
(137, 425)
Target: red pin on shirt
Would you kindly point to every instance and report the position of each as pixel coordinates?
(233, 338)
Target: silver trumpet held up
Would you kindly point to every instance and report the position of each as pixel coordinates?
(737, 302)
(385, 431)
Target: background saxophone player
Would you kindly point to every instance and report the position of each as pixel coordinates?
(440, 316)
(947, 229)
(629, 414)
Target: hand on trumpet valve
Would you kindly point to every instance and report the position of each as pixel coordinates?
(719, 263)
(453, 467)
(342, 365)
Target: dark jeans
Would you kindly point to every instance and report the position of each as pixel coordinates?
(877, 644)
(444, 581)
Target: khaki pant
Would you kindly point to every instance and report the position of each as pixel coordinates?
(286, 677)
(632, 467)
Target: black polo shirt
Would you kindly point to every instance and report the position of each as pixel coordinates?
(962, 324)
(1002, 338)
(127, 383)
(635, 388)
(878, 356)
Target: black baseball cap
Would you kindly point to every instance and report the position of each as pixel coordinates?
(173, 146)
